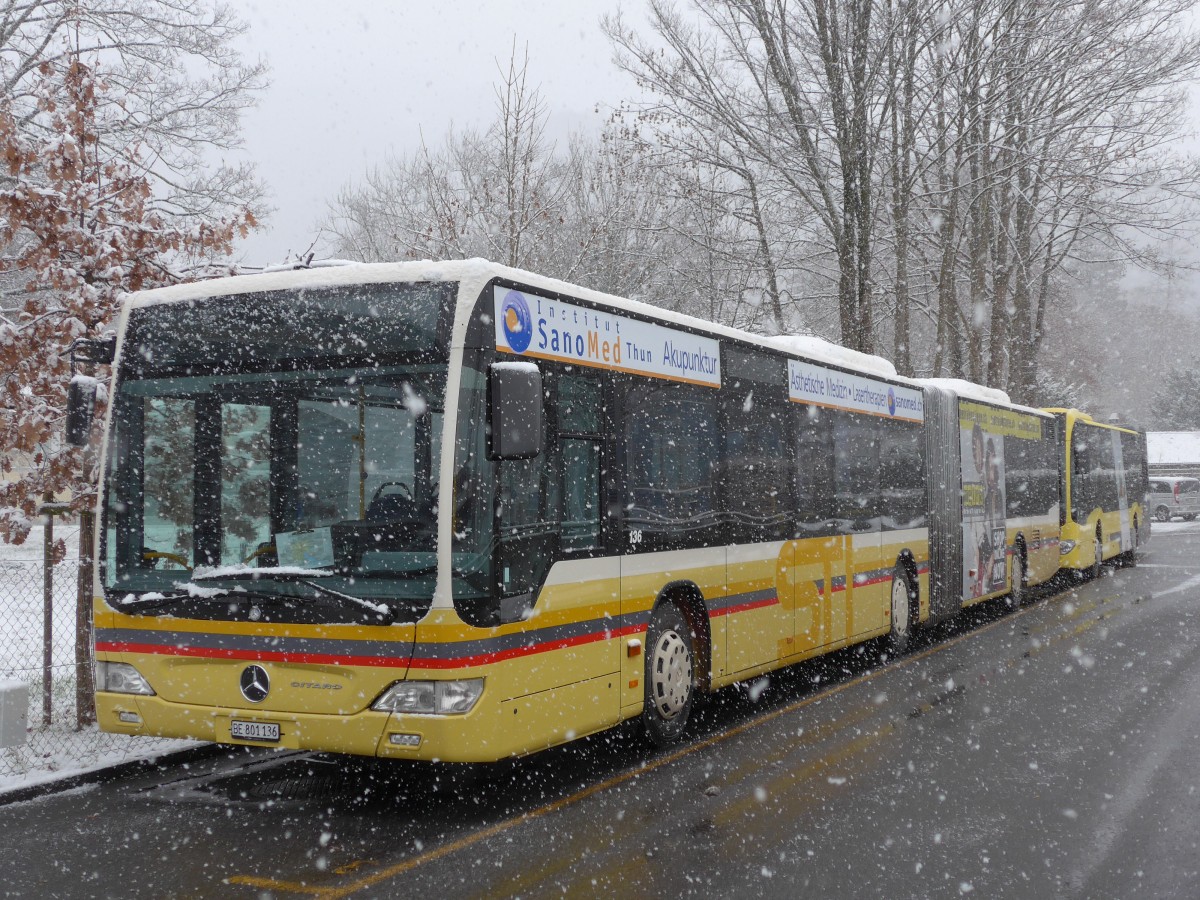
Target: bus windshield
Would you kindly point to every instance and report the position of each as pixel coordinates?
(277, 459)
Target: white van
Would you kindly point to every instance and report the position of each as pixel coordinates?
(1174, 495)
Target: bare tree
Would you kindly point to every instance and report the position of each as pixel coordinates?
(798, 87)
(81, 227)
(993, 146)
(498, 194)
(1050, 146)
(177, 87)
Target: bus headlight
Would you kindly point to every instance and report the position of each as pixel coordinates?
(121, 678)
(431, 698)
(1065, 547)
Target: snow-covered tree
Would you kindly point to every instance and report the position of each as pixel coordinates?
(177, 86)
(81, 225)
(1176, 405)
(960, 159)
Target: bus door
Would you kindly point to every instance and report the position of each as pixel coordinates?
(757, 484)
(818, 548)
(1122, 491)
(863, 604)
(672, 539)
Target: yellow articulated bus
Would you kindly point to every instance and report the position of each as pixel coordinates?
(1004, 462)
(461, 512)
(1104, 487)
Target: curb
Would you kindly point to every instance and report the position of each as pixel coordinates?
(108, 773)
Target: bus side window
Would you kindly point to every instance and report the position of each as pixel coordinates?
(579, 402)
(1083, 494)
(672, 453)
(901, 475)
(855, 471)
(1133, 460)
(757, 479)
(527, 510)
(1109, 494)
(814, 471)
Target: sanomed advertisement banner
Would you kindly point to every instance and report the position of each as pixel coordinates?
(541, 328)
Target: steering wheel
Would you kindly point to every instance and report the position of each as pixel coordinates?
(405, 491)
(153, 556)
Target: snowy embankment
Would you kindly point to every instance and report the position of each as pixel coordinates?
(57, 750)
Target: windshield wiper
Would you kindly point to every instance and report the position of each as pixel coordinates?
(158, 601)
(381, 610)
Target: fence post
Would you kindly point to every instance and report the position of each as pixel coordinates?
(85, 698)
(47, 610)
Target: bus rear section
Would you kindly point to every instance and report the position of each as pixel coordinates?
(1104, 487)
(993, 495)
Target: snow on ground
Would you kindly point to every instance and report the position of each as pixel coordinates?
(85, 751)
(56, 750)
(1175, 526)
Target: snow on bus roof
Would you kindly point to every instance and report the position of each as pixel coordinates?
(475, 273)
(320, 277)
(969, 389)
(812, 347)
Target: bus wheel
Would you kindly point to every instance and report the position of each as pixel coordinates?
(1162, 514)
(1016, 594)
(670, 675)
(902, 592)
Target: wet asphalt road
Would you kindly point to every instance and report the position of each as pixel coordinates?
(1054, 752)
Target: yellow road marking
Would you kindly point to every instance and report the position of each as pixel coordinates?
(475, 837)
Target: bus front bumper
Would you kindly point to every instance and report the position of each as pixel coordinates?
(367, 733)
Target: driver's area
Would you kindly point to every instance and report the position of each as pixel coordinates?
(329, 471)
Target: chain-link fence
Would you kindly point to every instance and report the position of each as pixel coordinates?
(41, 651)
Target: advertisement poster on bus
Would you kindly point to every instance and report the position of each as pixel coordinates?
(985, 550)
(543, 328)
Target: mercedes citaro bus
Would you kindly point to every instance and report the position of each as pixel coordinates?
(456, 511)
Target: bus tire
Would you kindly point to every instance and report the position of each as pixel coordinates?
(1131, 554)
(670, 675)
(1098, 564)
(901, 612)
(1162, 514)
(1020, 582)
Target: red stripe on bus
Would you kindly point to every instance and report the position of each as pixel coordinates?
(254, 655)
(483, 659)
(867, 582)
(383, 661)
(742, 607)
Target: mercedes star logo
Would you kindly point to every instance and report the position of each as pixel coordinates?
(255, 684)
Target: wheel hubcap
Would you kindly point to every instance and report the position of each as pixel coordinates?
(671, 675)
(899, 606)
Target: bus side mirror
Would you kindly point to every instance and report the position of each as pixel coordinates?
(81, 407)
(514, 410)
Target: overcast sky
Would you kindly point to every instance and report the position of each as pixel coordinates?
(353, 80)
